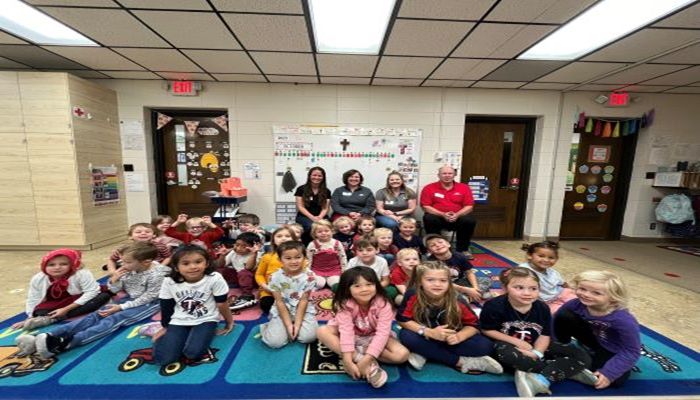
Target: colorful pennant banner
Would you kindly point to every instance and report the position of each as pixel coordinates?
(614, 128)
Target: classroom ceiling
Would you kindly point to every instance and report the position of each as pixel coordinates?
(445, 43)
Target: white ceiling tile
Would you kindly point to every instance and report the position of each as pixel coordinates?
(267, 6)
(36, 57)
(396, 82)
(344, 81)
(689, 55)
(688, 18)
(85, 74)
(445, 9)
(186, 76)
(462, 84)
(160, 59)
(500, 40)
(578, 72)
(270, 32)
(439, 82)
(644, 44)
(240, 78)
(598, 88)
(9, 39)
(96, 57)
(292, 79)
(683, 77)
(546, 86)
(107, 26)
(543, 11)
(285, 63)
(523, 70)
(498, 85)
(466, 69)
(185, 29)
(9, 64)
(131, 75)
(640, 73)
(646, 89)
(685, 89)
(82, 3)
(345, 65)
(223, 61)
(406, 67)
(425, 38)
(167, 4)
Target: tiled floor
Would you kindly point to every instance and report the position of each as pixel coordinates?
(662, 305)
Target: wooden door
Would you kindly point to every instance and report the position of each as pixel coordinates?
(495, 149)
(191, 164)
(593, 203)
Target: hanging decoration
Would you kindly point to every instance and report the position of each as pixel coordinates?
(163, 120)
(191, 127)
(614, 128)
(222, 121)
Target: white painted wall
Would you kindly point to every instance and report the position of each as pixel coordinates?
(440, 112)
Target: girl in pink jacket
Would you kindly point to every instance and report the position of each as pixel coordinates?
(360, 332)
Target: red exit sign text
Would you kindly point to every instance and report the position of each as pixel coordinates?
(184, 88)
(619, 99)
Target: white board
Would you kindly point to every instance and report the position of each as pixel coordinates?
(373, 151)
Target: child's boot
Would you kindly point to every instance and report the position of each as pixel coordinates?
(48, 345)
(26, 344)
(529, 384)
(485, 364)
(376, 376)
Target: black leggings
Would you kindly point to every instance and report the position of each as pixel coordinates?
(568, 324)
(266, 304)
(93, 305)
(559, 363)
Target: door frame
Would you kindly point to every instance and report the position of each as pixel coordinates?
(629, 150)
(530, 123)
(158, 156)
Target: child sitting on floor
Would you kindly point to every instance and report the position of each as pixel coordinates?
(197, 232)
(139, 232)
(239, 267)
(541, 257)
(400, 275)
(245, 223)
(269, 264)
(326, 255)
(345, 232)
(191, 300)
(365, 227)
(407, 237)
(292, 318)
(463, 275)
(360, 332)
(63, 289)
(140, 277)
(367, 257)
(162, 223)
(385, 239)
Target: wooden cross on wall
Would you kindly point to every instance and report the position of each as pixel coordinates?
(344, 143)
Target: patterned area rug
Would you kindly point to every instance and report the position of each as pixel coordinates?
(692, 250)
(241, 366)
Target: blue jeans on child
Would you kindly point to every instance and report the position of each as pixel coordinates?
(94, 327)
(189, 341)
(476, 346)
(385, 222)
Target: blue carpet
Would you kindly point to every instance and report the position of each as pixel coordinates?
(244, 368)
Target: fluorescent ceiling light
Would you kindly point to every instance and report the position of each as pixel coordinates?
(29, 23)
(600, 25)
(350, 26)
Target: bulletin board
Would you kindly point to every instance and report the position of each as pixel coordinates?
(373, 151)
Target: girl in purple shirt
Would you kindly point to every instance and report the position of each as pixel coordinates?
(599, 321)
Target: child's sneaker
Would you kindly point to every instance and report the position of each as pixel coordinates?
(150, 329)
(38, 322)
(26, 344)
(376, 376)
(529, 384)
(416, 360)
(243, 302)
(484, 363)
(48, 345)
(586, 377)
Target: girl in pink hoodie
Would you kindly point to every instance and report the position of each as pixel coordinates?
(360, 332)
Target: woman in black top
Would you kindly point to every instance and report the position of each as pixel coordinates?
(313, 201)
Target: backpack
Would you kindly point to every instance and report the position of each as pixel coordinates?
(675, 209)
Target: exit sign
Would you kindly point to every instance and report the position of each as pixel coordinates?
(618, 99)
(184, 88)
